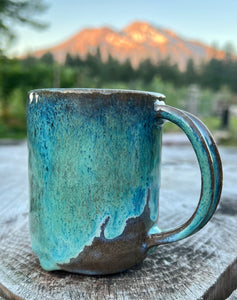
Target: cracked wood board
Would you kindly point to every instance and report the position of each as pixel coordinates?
(199, 267)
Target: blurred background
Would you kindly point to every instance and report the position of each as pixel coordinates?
(183, 49)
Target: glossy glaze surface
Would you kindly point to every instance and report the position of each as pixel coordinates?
(94, 171)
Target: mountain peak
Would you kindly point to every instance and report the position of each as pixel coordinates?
(136, 42)
(142, 32)
(139, 26)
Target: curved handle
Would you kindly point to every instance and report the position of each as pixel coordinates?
(211, 175)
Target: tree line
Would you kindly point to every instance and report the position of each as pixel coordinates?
(18, 76)
(212, 74)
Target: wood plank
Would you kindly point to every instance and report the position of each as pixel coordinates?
(233, 296)
(194, 268)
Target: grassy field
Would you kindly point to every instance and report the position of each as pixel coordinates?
(14, 128)
(225, 137)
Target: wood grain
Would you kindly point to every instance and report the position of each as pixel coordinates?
(200, 267)
(233, 296)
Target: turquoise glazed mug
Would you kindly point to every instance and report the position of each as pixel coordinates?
(94, 173)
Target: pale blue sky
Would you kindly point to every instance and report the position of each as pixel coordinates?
(208, 21)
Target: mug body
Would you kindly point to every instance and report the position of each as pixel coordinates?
(94, 173)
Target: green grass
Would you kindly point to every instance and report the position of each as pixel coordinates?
(214, 125)
(14, 129)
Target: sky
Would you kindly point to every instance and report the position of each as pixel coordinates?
(209, 21)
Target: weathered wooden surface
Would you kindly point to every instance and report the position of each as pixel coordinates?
(200, 267)
(233, 296)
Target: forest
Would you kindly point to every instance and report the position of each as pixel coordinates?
(215, 79)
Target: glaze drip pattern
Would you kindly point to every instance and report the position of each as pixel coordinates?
(92, 158)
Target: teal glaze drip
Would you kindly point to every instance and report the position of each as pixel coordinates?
(88, 161)
(155, 176)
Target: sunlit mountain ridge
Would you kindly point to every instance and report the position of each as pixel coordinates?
(137, 42)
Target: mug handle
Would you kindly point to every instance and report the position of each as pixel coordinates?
(211, 175)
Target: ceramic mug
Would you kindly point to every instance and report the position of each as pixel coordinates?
(94, 173)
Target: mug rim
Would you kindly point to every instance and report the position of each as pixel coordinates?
(93, 91)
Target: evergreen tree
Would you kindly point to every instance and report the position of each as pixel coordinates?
(212, 74)
(190, 75)
(69, 61)
(47, 58)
